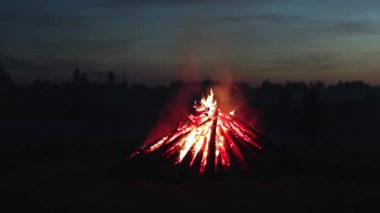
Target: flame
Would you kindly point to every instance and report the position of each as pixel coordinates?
(210, 138)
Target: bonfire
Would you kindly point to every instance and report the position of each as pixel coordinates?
(209, 140)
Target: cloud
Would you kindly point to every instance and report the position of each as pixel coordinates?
(33, 15)
(319, 58)
(89, 48)
(266, 17)
(371, 53)
(352, 27)
(281, 28)
(33, 20)
(312, 62)
(124, 3)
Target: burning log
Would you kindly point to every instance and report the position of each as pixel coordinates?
(210, 140)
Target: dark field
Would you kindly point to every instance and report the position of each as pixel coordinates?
(65, 149)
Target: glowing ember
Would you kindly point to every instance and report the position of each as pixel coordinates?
(209, 139)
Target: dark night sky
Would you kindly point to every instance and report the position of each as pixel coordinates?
(157, 41)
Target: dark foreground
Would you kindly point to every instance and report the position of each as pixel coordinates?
(98, 180)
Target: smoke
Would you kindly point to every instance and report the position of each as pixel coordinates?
(228, 94)
(176, 110)
(180, 104)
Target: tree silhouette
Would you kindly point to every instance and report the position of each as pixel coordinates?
(311, 116)
(207, 83)
(111, 77)
(5, 79)
(124, 81)
(79, 77)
